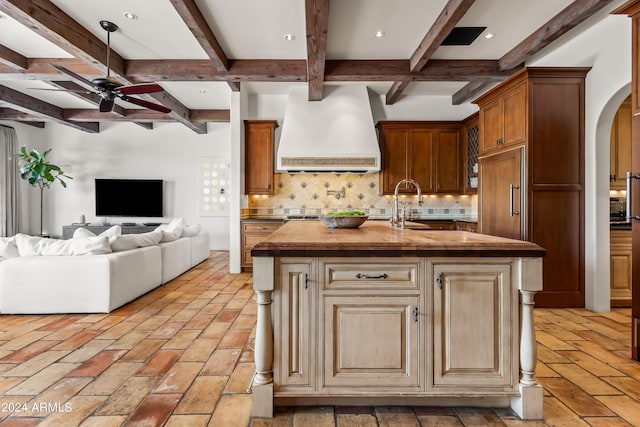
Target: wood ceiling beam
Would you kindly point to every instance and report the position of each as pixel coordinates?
(568, 18)
(49, 21)
(453, 11)
(13, 59)
(513, 60)
(317, 22)
(88, 115)
(435, 70)
(197, 24)
(21, 117)
(35, 107)
(470, 90)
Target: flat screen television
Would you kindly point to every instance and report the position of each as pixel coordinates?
(129, 197)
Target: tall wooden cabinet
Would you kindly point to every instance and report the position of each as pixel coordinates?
(428, 152)
(621, 146)
(540, 113)
(258, 156)
(620, 263)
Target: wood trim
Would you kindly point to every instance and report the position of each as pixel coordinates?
(12, 58)
(469, 91)
(395, 91)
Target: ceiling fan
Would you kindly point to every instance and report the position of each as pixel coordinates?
(109, 89)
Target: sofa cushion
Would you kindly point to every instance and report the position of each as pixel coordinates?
(40, 246)
(126, 242)
(111, 233)
(171, 231)
(191, 230)
(8, 248)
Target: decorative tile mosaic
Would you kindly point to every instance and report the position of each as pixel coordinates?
(317, 194)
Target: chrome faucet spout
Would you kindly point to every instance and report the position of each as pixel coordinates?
(396, 219)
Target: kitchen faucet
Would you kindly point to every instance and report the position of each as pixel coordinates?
(397, 220)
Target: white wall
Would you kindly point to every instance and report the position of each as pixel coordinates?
(606, 47)
(123, 150)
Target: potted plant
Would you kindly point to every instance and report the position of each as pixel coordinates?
(38, 172)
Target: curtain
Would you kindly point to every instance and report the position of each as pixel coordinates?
(9, 175)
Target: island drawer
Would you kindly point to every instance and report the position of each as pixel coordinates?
(362, 275)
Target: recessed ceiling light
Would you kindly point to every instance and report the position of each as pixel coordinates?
(130, 15)
(380, 34)
(289, 37)
(203, 91)
(489, 35)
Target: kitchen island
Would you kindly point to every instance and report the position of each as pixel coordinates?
(381, 316)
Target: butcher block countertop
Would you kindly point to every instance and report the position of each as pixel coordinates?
(377, 238)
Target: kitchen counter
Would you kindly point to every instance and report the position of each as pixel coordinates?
(384, 316)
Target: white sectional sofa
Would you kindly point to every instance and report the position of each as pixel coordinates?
(96, 282)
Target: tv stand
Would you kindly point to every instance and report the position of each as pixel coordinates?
(67, 230)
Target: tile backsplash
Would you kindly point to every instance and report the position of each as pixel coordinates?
(317, 194)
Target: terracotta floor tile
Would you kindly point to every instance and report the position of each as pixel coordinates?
(112, 378)
(97, 364)
(104, 421)
(317, 416)
(184, 315)
(245, 321)
(39, 382)
(575, 398)
(216, 330)
(235, 338)
(79, 408)
(117, 331)
(62, 391)
(221, 362)
(199, 350)
(125, 400)
(623, 406)
(160, 363)
(36, 364)
(87, 351)
(479, 417)
(20, 422)
(29, 351)
(179, 378)
(583, 379)
(182, 339)
(202, 396)
(188, 421)
(240, 378)
(232, 410)
(394, 416)
(24, 340)
(143, 350)
(607, 422)
(77, 340)
(166, 331)
(439, 420)
(201, 321)
(629, 386)
(154, 410)
(153, 323)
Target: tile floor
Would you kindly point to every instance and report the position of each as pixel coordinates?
(181, 356)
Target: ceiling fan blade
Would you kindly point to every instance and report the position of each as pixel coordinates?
(61, 90)
(140, 88)
(76, 76)
(106, 105)
(146, 104)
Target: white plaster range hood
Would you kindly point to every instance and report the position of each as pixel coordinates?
(336, 134)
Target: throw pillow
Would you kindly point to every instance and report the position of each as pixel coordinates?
(111, 233)
(126, 242)
(8, 248)
(171, 231)
(39, 246)
(191, 230)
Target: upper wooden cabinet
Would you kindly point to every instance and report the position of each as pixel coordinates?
(428, 152)
(621, 146)
(470, 139)
(546, 129)
(258, 156)
(503, 120)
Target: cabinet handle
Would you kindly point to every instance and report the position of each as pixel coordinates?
(612, 177)
(498, 141)
(439, 280)
(414, 314)
(306, 281)
(630, 216)
(366, 276)
(511, 188)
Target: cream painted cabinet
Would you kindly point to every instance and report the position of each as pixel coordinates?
(370, 325)
(474, 317)
(295, 328)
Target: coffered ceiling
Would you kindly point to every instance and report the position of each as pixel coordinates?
(200, 51)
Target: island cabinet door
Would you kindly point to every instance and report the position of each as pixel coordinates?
(371, 342)
(293, 325)
(473, 344)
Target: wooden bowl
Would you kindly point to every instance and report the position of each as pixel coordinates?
(346, 221)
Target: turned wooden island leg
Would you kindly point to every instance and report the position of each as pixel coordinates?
(262, 390)
(529, 405)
